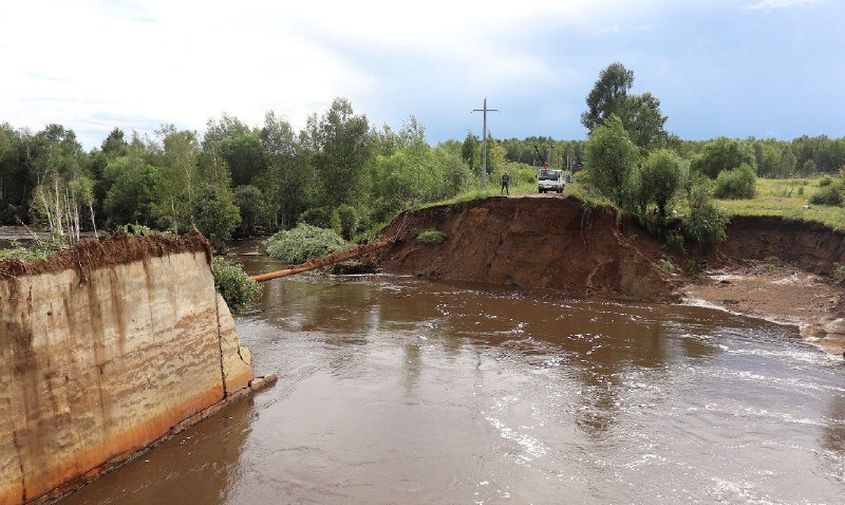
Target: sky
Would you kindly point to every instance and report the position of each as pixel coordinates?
(764, 68)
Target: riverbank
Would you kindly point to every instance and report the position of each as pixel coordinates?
(770, 267)
(780, 293)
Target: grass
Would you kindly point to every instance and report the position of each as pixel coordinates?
(431, 237)
(784, 198)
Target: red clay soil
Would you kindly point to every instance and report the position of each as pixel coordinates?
(554, 243)
(119, 249)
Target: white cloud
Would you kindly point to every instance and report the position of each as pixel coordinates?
(96, 64)
(777, 4)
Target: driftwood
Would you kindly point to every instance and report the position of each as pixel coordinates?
(331, 259)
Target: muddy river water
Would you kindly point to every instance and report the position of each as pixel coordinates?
(401, 390)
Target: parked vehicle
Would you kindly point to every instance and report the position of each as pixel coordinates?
(550, 180)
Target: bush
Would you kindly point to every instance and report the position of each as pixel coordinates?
(666, 267)
(239, 291)
(739, 183)
(610, 159)
(303, 243)
(722, 154)
(431, 237)
(661, 176)
(347, 220)
(839, 273)
(825, 181)
(321, 217)
(706, 222)
(829, 195)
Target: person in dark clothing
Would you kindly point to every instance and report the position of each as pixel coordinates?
(506, 181)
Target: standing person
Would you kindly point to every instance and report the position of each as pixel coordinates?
(506, 181)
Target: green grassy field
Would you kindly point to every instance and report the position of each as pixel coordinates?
(785, 198)
(788, 198)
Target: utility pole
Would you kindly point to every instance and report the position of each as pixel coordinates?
(485, 110)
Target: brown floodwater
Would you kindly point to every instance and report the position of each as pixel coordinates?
(401, 390)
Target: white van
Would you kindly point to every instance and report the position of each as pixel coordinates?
(550, 180)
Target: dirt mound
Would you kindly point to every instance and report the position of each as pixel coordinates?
(119, 249)
(555, 243)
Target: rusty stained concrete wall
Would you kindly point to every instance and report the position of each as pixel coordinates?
(94, 369)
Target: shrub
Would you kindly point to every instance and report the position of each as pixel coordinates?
(829, 195)
(825, 181)
(347, 219)
(239, 291)
(738, 183)
(431, 237)
(661, 176)
(800, 190)
(321, 217)
(839, 273)
(303, 243)
(706, 222)
(666, 267)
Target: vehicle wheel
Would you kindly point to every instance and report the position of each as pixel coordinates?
(541, 191)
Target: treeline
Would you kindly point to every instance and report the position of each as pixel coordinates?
(338, 171)
(800, 157)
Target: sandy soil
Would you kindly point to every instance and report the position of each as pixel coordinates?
(779, 293)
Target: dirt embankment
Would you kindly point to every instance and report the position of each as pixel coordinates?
(554, 243)
(768, 267)
(106, 349)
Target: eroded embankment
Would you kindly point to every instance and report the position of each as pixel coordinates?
(559, 243)
(555, 243)
(105, 349)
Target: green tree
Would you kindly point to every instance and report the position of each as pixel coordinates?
(787, 162)
(215, 213)
(640, 114)
(134, 191)
(661, 177)
(723, 153)
(470, 151)
(644, 121)
(176, 160)
(290, 182)
(250, 202)
(115, 145)
(739, 183)
(610, 159)
(341, 145)
(609, 95)
(230, 140)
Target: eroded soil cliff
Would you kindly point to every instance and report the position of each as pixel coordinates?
(561, 244)
(555, 243)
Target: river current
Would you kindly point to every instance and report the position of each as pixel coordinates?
(402, 390)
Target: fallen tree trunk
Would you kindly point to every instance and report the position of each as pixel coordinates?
(324, 261)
